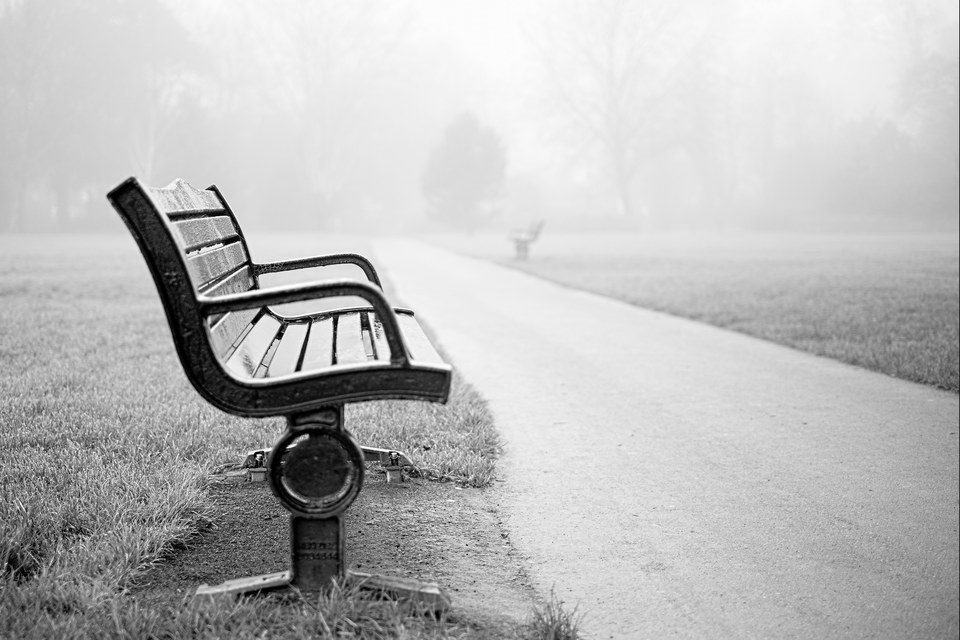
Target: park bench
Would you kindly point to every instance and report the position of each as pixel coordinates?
(249, 358)
(523, 238)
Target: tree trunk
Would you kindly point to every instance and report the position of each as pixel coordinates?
(625, 197)
(623, 181)
(61, 210)
(12, 214)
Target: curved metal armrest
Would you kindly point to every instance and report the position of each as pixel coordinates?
(313, 291)
(321, 261)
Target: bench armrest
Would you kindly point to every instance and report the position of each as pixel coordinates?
(313, 291)
(321, 261)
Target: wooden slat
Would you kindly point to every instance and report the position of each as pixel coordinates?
(209, 265)
(249, 353)
(180, 197)
(319, 351)
(237, 282)
(288, 352)
(417, 342)
(367, 342)
(225, 331)
(380, 346)
(261, 371)
(349, 340)
(197, 233)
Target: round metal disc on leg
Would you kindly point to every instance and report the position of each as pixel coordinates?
(316, 472)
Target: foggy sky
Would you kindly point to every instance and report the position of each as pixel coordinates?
(733, 113)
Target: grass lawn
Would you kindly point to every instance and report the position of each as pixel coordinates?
(105, 452)
(886, 303)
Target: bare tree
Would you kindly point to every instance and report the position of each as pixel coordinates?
(338, 53)
(612, 65)
(70, 106)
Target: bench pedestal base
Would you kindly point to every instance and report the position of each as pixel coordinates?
(429, 595)
(316, 470)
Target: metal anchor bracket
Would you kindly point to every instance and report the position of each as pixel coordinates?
(430, 595)
(391, 460)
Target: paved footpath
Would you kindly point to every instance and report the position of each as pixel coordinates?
(679, 480)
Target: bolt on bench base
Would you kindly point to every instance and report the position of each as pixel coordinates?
(391, 460)
(428, 594)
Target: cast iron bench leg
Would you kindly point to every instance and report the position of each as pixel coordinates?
(316, 472)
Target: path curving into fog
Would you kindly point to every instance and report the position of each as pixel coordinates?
(681, 480)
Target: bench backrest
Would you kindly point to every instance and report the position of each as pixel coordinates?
(208, 236)
(214, 250)
(193, 245)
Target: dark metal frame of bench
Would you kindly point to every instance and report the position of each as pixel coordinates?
(150, 215)
(210, 290)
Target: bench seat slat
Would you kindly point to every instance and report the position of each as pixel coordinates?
(287, 356)
(368, 349)
(225, 331)
(251, 350)
(264, 365)
(349, 339)
(420, 347)
(210, 265)
(197, 233)
(381, 348)
(318, 353)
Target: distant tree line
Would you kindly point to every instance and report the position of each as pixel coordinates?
(319, 113)
(712, 109)
(83, 86)
(289, 106)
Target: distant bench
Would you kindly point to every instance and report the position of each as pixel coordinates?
(523, 238)
(248, 358)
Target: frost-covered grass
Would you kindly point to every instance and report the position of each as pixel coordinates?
(553, 620)
(105, 451)
(883, 302)
(453, 442)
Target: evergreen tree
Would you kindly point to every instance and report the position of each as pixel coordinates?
(463, 180)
